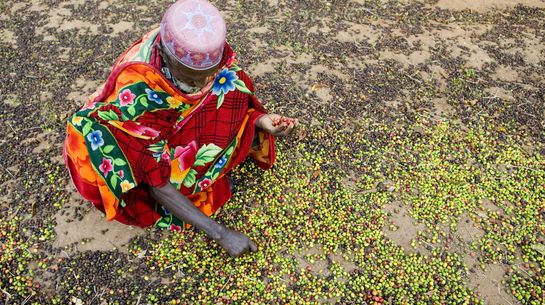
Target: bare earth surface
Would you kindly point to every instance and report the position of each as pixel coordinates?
(349, 70)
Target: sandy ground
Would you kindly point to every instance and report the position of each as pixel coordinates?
(61, 64)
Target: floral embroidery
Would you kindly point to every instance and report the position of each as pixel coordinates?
(216, 168)
(221, 162)
(182, 160)
(132, 101)
(141, 130)
(174, 103)
(205, 183)
(126, 186)
(106, 157)
(174, 227)
(106, 166)
(76, 120)
(186, 155)
(167, 221)
(153, 96)
(226, 81)
(160, 150)
(185, 160)
(95, 137)
(126, 97)
(109, 115)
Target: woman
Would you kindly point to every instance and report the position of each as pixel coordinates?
(153, 144)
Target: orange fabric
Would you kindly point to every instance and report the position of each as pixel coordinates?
(76, 151)
(137, 207)
(261, 151)
(76, 143)
(203, 200)
(135, 73)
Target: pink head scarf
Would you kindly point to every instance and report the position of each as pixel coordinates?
(193, 32)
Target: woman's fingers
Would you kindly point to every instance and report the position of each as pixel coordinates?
(238, 244)
(281, 125)
(250, 247)
(289, 129)
(278, 129)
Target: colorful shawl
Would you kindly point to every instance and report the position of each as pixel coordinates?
(138, 130)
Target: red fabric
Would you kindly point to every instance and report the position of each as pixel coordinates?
(206, 125)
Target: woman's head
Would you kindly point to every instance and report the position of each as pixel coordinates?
(192, 77)
(192, 39)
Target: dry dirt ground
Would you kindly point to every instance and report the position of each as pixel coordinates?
(393, 62)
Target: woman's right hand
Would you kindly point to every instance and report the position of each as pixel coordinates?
(236, 243)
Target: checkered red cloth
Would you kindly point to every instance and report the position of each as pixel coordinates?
(237, 115)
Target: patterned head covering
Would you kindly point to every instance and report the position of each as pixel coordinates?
(193, 32)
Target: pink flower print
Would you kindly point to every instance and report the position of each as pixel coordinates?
(126, 97)
(186, 155)
(106, 166)
(140, 129)
(165, 155)
(205, 183)
(121, 174)
(175, 228)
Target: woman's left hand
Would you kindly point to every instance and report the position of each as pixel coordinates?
(277, 125)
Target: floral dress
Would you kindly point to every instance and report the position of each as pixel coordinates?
(139, 130)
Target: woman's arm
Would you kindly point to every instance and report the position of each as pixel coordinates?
(233, 242)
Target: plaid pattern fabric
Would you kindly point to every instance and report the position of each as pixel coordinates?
(207, 125)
